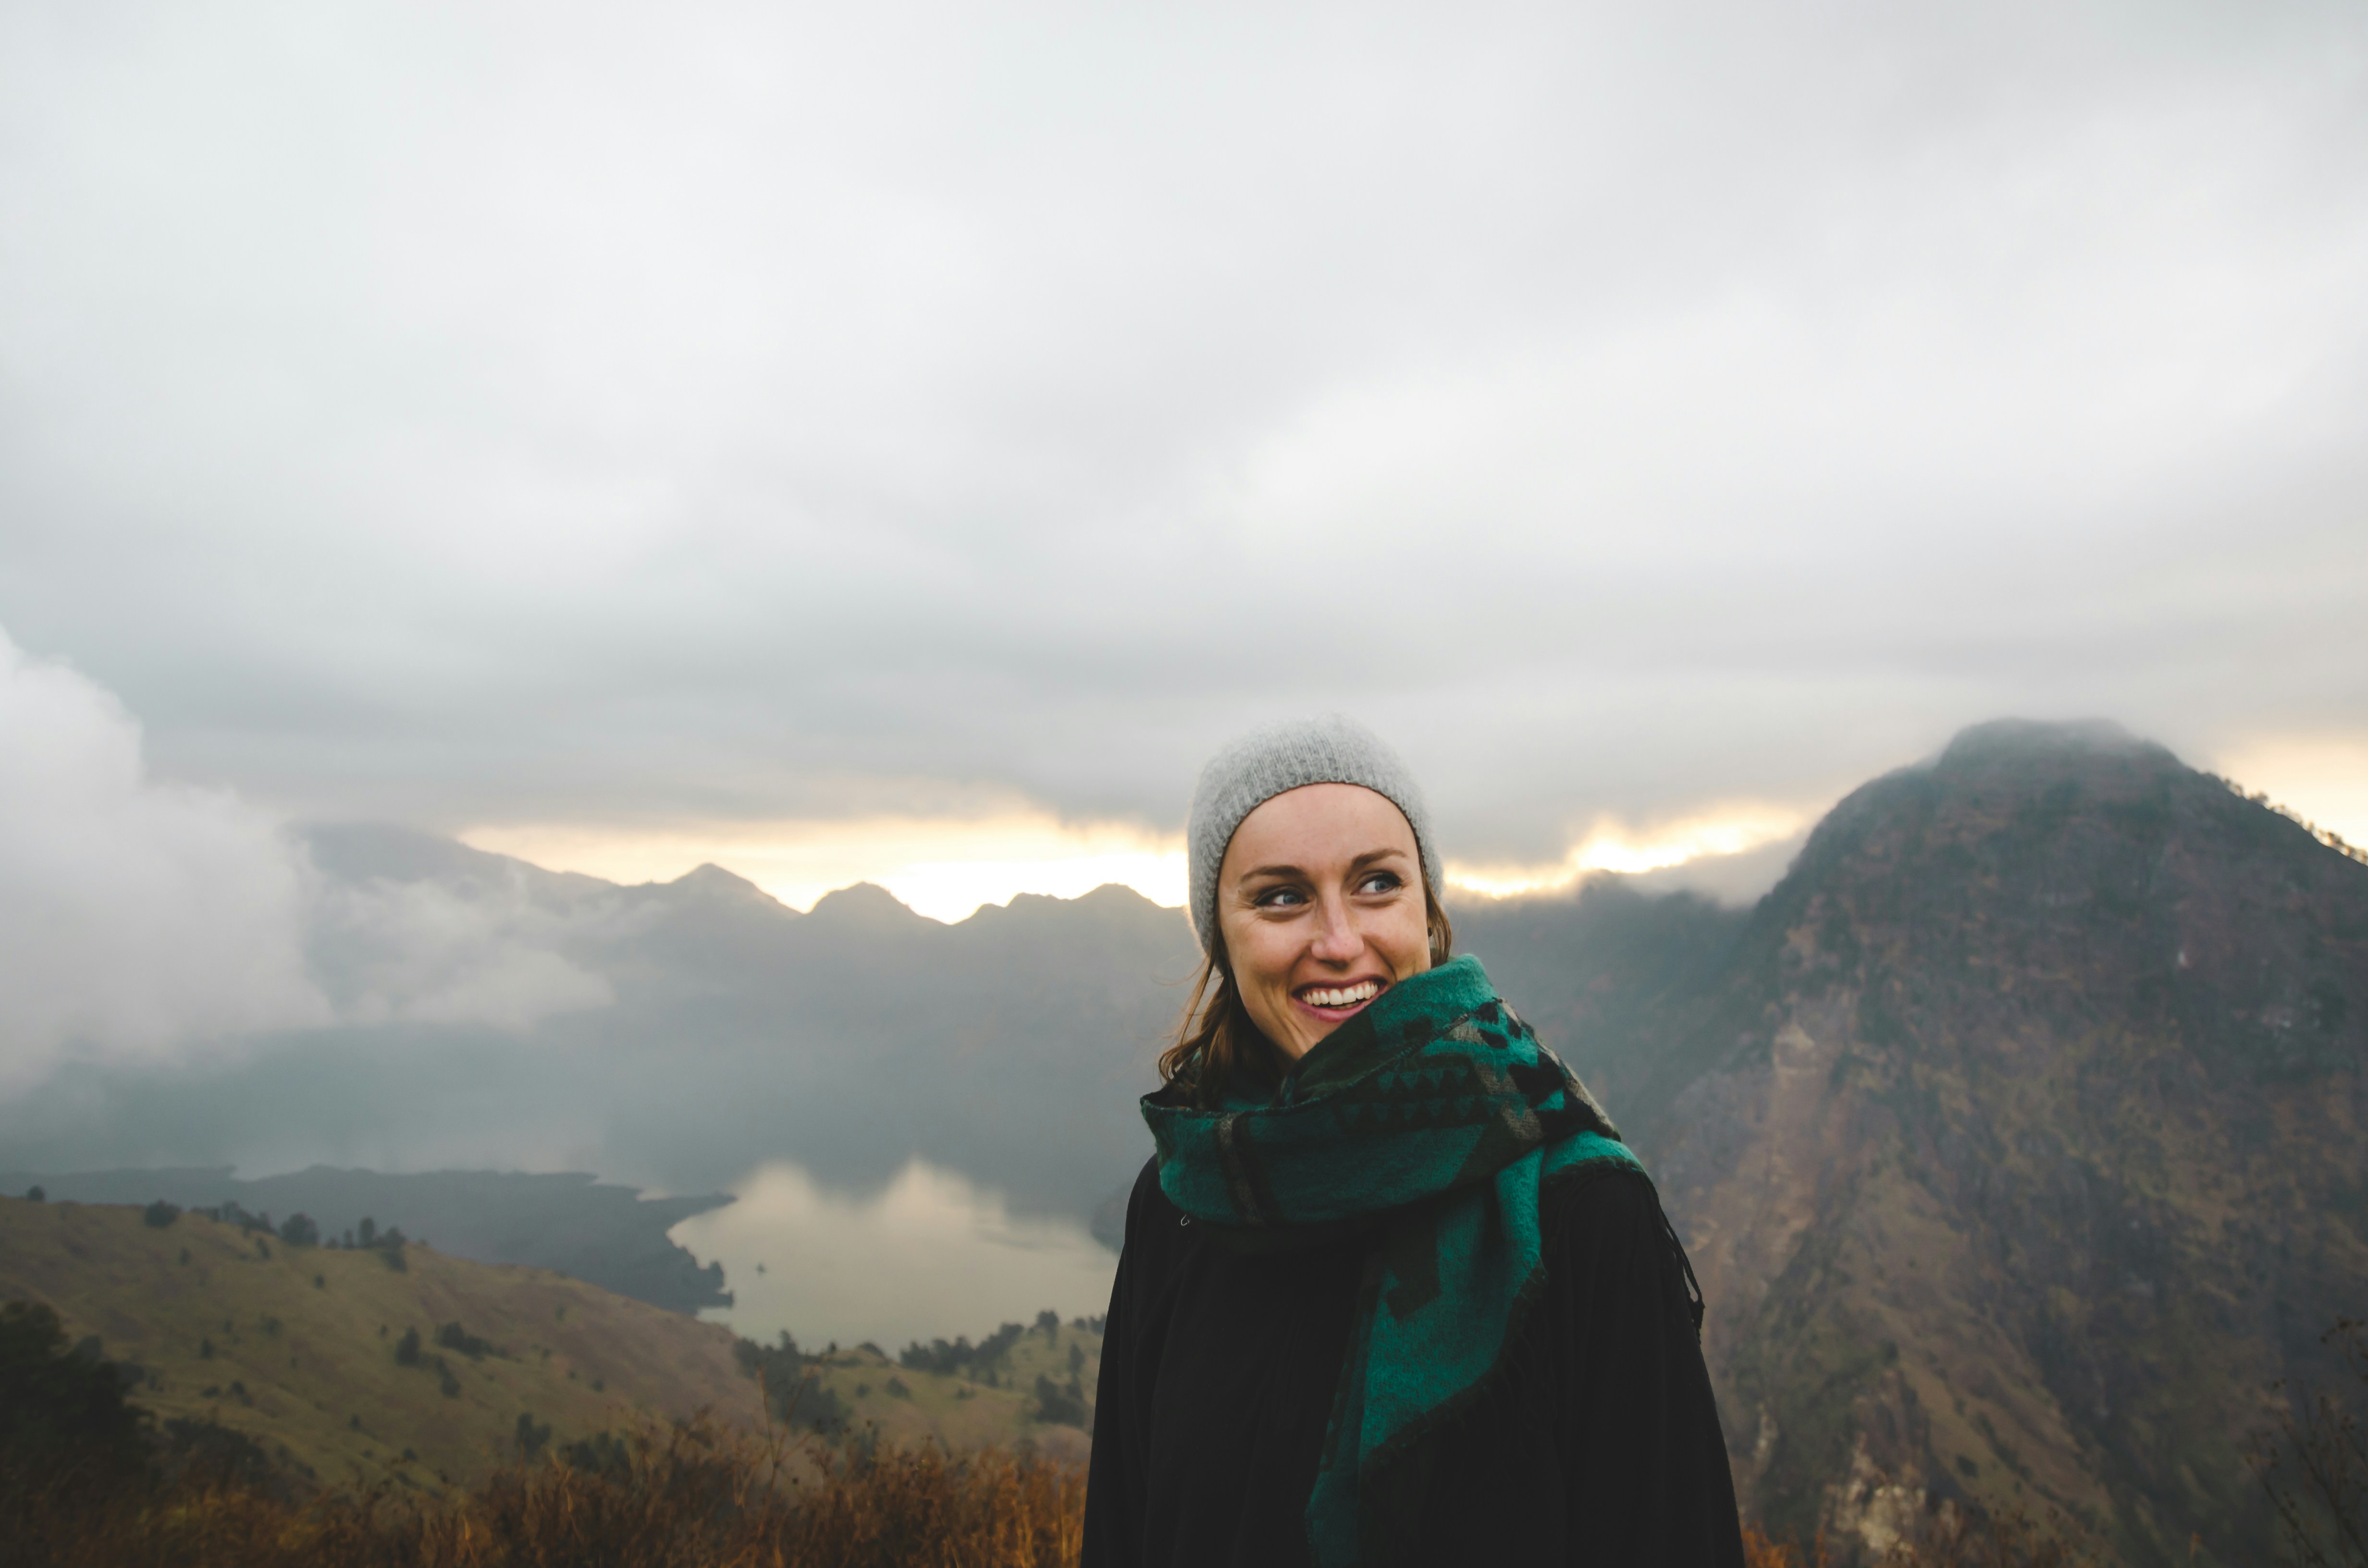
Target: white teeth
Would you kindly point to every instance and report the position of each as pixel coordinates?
(1346, 996)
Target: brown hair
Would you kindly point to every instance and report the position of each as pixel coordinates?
(1215, 1037)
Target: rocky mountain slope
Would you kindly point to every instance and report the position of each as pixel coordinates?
(2019, 1144)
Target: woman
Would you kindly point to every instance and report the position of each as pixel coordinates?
(1392, 1291)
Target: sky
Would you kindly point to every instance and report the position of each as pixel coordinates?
(902, 441)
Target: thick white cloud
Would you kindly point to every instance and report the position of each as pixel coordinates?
(426, 952)
(135, 917)
(143, 922)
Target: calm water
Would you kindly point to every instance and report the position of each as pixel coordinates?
(928, 1257)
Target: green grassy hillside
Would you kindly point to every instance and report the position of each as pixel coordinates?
(962, 1410)
(297, 1346)
(301, 1348)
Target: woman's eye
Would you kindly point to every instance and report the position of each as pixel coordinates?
(1279, 898)
(1381, 881)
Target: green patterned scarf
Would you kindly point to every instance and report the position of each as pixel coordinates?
(1430, 1121)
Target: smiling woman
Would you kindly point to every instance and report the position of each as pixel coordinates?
(1393, 1289)
(1321, 901)
(1324, 899)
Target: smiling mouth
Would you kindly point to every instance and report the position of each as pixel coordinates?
(1340, 998)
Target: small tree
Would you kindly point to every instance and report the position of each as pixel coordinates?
(63, 1419)
(406, 1350)
(2324, 1518)
(301, 1232)
(160, 1214)
(452, 1336)
(1062, 1407)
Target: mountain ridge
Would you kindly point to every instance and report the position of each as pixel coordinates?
(2018, 1146)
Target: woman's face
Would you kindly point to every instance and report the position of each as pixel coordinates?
(1319, 902)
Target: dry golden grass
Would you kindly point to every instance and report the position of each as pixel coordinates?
(691, 1496)
(1758, 1551)
(1952, 1539)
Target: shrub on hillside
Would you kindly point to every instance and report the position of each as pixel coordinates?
(530, 1435)
(962, 1355)
(159, 1214)
(452, 1336)
(602, 1453)
(206, 1454)
(792, 1393)
(1061, 1407)
(301, 1232)
(63, 1422)
(2315, 1468)
(230, 1213)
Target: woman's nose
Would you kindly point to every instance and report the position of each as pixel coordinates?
(1337, 939)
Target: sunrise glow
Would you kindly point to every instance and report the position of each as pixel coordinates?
(2321, 779)
(946, 868)
(943, 868)
(1610, 846)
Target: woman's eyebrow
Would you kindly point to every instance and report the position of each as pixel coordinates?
(1370, 856)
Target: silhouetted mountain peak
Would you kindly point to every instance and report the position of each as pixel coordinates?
(2011, 740)
(710, 880)
(376, 851)
(864, 905)
(360, 850)
(2014, 798)
(1111, 900)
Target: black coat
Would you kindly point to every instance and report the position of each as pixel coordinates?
(1218, 1372)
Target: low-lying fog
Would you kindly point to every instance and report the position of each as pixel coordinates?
(930, 1255)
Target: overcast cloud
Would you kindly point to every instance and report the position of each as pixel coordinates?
(636, 418)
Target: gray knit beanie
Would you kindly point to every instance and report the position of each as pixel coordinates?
(1334, 749)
